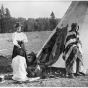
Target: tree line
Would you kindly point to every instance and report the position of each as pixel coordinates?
(7, 22)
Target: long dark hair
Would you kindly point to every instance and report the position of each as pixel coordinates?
(20, 51)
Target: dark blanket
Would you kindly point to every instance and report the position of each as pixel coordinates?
(54, 47)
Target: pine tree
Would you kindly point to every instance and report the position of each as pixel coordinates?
(5, 20)
(52, 21)
(2, 12)
(7, 13)
(52, 15)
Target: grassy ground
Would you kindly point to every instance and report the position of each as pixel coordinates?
(36, 40)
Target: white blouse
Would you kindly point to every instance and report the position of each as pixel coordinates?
(19, 37)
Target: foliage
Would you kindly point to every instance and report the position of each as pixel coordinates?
(31, 24)
(53, 21)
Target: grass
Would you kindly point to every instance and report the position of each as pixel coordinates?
(36, 41)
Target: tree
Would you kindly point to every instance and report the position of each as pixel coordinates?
(53, 22)
(7, 22)
(47, 25)
(7, 13)
(25, 29)
(2, 16)
(22, 20)
(35, 26)
(52, 15)
(30, 23)
(2, 11)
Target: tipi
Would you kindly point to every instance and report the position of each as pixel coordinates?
(77, 12)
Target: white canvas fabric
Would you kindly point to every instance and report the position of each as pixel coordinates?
(76, 13)
(59, 63)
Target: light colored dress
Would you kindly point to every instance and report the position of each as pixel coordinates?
(19, 68)
(19, 37)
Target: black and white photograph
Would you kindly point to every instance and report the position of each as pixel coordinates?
(43, 43)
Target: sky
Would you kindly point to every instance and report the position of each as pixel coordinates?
(36, 8)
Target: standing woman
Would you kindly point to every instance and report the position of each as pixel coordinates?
(19, 38)
(71, 54)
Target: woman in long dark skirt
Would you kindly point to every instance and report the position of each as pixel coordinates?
(19, 38)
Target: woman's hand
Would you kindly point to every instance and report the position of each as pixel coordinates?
(18, 46)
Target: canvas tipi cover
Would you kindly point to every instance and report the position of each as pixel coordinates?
(77, 12)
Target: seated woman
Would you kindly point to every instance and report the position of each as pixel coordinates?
(19, 66)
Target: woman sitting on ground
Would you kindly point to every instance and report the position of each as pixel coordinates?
(19, 66)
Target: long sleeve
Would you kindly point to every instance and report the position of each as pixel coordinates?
(24, 38)
(19, 37)
(14, 39)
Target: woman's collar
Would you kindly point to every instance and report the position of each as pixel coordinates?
(18, 31)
